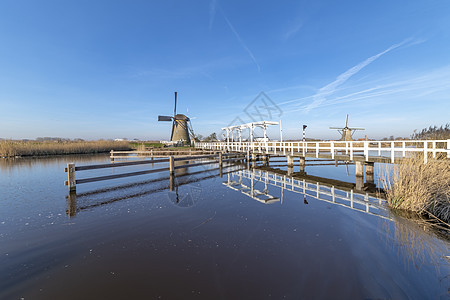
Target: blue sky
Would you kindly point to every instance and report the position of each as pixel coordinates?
(107, 69)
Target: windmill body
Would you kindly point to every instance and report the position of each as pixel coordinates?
(181, 126)
(180, 129)
(347, 132)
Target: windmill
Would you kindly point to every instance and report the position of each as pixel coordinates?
(347, 132)
(181, 125)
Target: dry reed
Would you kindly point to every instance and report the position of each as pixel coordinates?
(11, 148)
(418, 187)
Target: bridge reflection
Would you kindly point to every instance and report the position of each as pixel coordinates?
(255, 184)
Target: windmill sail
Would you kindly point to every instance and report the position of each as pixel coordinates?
(164, 118)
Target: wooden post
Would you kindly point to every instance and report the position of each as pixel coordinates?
(392, 152)
(351, 150)
(370, 174)
(220, 159)
(359, 183)
(290, 160)
(71, 182)
(171, 165)
(290, 171)
(448, 148)
(366, 150)
(111, 155)
(425, 152)
(370, 167)
(254, 157)
(332, 149)
(359, 169)
(302, 161)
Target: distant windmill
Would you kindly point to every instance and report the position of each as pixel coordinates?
(181, 125)
(346, 131)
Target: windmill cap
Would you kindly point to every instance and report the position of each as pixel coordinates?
(181, 117)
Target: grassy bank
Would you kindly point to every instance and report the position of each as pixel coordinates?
(144, 145)
(10, 148)
(418, 187)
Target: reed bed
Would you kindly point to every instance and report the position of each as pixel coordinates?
(11, 148)
(420, 188)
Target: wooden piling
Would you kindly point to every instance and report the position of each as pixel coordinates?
(302, 161)
(171, 165)
(359, 169)
(71, 182)
(290, 160)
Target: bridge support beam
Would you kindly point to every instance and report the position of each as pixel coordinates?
(359, 183)
(370, 172)
(254, 157)
(302, 165)
(359, 172)
(290, 160)
(359, 169)
(290, 171)
(302, 161)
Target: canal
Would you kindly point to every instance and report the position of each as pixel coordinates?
(244, 235)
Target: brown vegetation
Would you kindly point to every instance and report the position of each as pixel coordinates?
(418, 187)
(11, 148)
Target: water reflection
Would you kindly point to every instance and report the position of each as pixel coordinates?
(254, 183)
(222, 243)
(418, 241)
(85, 201)
(9, 164)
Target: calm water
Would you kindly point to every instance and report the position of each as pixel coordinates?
(211, 238)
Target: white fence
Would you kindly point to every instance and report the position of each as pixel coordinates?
(384, 149)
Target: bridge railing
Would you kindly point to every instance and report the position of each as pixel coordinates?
(389, 149)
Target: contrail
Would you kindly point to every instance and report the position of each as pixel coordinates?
(242, 42)
(329, 89)
(212, 13)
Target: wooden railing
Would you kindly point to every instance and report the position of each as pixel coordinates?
(156, 153)
(71, 169)
(368, 149)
